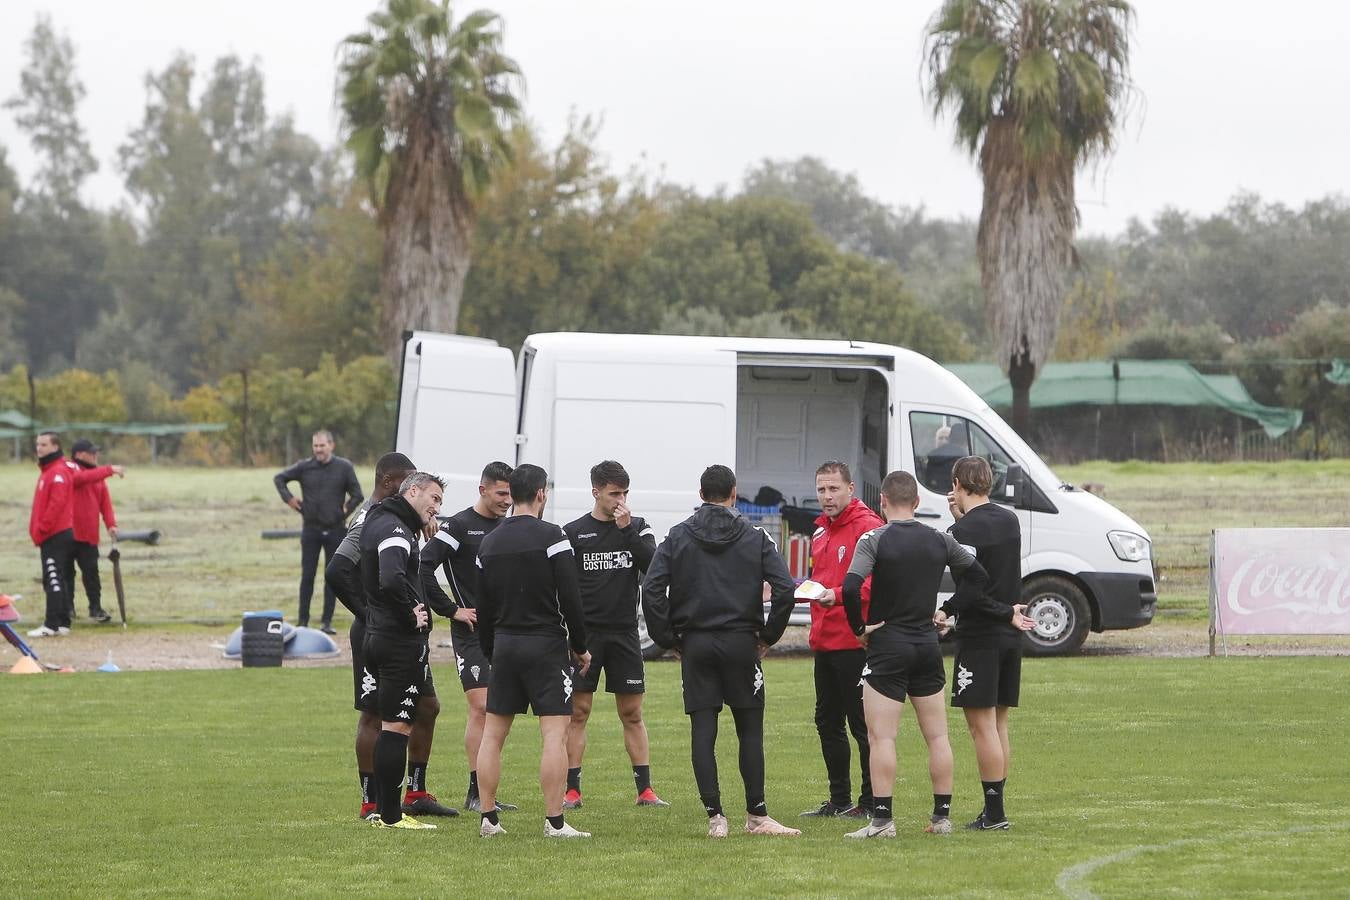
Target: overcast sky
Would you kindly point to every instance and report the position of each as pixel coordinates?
(1235, 94)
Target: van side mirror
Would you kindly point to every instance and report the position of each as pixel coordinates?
(1014, 486)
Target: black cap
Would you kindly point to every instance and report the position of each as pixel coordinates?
(84, 445)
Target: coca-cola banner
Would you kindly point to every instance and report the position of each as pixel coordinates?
(1281, 580)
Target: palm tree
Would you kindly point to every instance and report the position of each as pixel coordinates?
(428, 110)
(1037, 88)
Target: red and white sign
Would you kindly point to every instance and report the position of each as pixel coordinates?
(1281, 580)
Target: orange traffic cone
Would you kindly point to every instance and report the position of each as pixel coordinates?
(26, 666)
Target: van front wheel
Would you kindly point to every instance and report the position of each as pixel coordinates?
(1061, 613)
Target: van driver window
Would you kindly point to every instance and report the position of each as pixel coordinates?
(940, 440)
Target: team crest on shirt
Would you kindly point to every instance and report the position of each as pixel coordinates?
(841, 552)
(964, 678)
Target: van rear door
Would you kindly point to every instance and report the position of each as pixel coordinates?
(665, 414)
(457, 409)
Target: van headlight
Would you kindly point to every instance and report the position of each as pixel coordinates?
(1128, 546)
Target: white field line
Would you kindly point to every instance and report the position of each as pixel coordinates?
(1072, 881)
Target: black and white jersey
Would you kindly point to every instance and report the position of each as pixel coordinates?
(610, 563)
(995, 537)
(906, 560)
(390, 569)
(527, 583)
(454, 549)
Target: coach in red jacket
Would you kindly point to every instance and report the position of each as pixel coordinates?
(92, 502)
(52, 528)
(839, 657)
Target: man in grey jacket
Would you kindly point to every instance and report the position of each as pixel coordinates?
(704, 596)
(330, 492)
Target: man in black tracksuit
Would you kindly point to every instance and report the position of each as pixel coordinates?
(613, 548)
(704, 595)
(397, 626)
(987, 671)
(325, 480)
(905, 560)
(530, 627)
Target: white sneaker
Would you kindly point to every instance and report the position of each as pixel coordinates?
(717, 827)
(566, 831)
(939, 825)
(766, 825)
(487, 829)
(874, 831)
(62, 631)
(44, 631)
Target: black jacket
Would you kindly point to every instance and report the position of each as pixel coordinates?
(708, 575)
(528, 584)
(323, 487)
(390, 573)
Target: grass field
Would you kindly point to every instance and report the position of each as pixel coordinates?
(1131, 777)
(212, 564)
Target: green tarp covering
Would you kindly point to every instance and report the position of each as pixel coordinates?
(15, 424)
(1130, 382)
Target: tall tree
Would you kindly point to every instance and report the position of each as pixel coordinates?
(1036, 88)
(428, 108)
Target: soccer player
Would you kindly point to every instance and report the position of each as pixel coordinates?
(988, 665)
(455, 549)
(397, 626)
(343, 575)
(612, 546)
(531, 628)
(905, 561)
(839, 657)
(704, 596)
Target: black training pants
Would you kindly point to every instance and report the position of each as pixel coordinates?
(86, 556)
(58, 577)
(703, 746)
(839, 701)
(312, 540)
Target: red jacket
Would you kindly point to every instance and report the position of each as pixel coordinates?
(54, 498)
(92, 500)
(831, 552)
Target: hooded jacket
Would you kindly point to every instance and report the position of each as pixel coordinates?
(708, 575)
(390, 569)
(831, 552)
(54, 498)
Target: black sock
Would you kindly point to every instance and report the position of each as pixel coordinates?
(712, 805)
(574, 779)
(391, 758)
(881, 810)
(417, 776)
(642, 776)
(555, 821)
(368, 787)
(993, 800)
(491, 816)
(942, 805)
(473, 785)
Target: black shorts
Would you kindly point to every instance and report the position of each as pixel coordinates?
(896, 667)
(986, 676)
(474, 668)
(620, 655)
(343, 576)
(363, 682)
(530, 670)
(721, 667)
(402, 673)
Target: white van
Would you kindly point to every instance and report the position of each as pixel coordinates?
(668, 406)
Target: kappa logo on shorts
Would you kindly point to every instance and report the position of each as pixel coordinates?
(867, 670)
(567, 684)
(759, 679)
(459, 664)
(635, 681)
(404, 715)
(367, 683)
(407, 701)
(412, 689)
(964, 678)
(473, 670)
